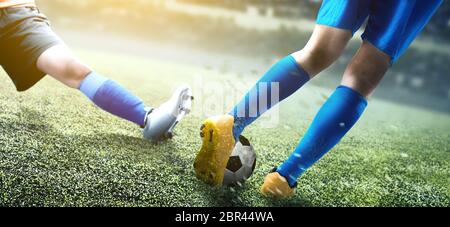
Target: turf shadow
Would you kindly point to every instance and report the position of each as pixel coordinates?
(225, 196)
(97, 157)
(296, 201)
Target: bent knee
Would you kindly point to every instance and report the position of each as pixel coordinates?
(73, 72)
(366, 70)
(62, 65)
(321, 57)
(316, 59)
(323, 48)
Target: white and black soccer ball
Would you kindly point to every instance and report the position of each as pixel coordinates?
(241, 164)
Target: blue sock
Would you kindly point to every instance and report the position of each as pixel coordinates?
(113, 98)
(336, 117)
(282, 80)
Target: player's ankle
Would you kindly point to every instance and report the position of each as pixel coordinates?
(291, 180)
(238, 128)
(149, 110)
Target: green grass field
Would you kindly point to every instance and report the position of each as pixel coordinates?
(58, 149)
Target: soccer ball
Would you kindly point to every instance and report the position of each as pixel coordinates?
(241, 164)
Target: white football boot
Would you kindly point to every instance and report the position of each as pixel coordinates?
(160, 122)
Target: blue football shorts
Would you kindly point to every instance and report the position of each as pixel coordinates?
(392, 25)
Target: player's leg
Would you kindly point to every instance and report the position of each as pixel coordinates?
(335, 118)
(59, 62)
(366, 69)
(390, 31)
(33, 50)
(325, 45)
(337, 21)
(289, 74)
(329, 39)
(283, 78)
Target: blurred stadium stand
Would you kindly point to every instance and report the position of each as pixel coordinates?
(439, 26)
(417, 71)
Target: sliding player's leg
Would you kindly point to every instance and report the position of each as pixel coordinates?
(59, 62)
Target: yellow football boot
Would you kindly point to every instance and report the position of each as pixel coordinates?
(218, 143)
(276, 186)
